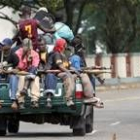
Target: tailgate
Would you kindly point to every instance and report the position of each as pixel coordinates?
(58, 102)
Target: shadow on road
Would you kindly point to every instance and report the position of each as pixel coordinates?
(26, 134)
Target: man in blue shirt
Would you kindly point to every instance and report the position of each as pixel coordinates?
(77, 63)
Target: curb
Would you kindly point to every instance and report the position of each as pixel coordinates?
(121, 86)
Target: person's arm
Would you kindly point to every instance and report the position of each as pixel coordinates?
(62, 68)
(59, 62)
(13, 59)
(52, 30)
(35, 63)
(49, 62)
(16, 37)
(36, 59)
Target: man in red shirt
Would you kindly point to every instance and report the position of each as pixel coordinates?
(28, 27)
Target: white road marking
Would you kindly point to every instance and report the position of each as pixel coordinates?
(93, 132)
(115, 123)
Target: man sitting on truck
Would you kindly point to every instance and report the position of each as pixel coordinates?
(80, 50)
(8, 59)
(28, 62)
(57, 60)
(49, 80)
(76, 62)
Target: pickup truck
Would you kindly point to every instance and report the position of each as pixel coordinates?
(80, 120)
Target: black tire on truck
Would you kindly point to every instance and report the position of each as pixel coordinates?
(13, 125)
(79, 127)
(90, 121)
(3, 127)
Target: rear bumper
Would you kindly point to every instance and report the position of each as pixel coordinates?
(58, 107)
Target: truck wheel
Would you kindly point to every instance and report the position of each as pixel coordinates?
(79, 132)
(13, 126)
(2, 132)
(90, 121)
(3, 126)
(79, 128)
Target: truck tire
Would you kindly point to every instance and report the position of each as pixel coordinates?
(79, 128)
(2, 132)
(90, 121)
(13, 126)
(79, 132)
(3, 127)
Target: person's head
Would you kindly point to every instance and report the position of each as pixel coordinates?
(6, 44)
(59, 17)
(27, 45)
(78, 45)
(42, 44)
(60, 45)
(25, 11)
(77, 40)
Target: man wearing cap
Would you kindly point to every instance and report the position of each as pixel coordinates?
(5, 47)
(7, 56)
(28, 62)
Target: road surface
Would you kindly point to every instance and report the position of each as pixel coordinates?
(120, 117)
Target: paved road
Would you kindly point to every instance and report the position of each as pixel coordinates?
(121, 116)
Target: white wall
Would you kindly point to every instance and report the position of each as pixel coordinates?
(120, 64)
(135, 65)
(107, 63)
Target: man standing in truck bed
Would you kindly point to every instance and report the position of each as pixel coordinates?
(28, 27)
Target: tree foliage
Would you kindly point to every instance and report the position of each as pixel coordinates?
(116, 22)
(53, 6)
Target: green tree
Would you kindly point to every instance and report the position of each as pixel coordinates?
(116, 22)
(120, 26)
(53, 5)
